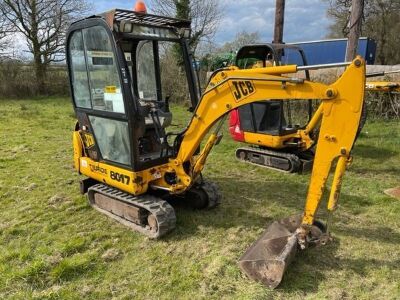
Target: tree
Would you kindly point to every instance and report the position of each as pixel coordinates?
(225, 55)
(43, 23)
(5, 30)
(384, 26)
(205, 16)
(381, 22)
(241, 39)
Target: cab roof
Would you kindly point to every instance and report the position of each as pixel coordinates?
(116, 16)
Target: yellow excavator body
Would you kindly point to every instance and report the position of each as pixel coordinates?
(120, 143)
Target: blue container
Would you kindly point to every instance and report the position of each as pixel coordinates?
(334, 50)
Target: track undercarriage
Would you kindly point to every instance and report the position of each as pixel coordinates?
(276, 160)
(147, 214)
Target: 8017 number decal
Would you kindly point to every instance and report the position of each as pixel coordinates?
(125, 179)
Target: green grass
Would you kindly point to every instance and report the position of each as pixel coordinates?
(54, 246)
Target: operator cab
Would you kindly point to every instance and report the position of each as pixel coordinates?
(116, 61)
(271, 117)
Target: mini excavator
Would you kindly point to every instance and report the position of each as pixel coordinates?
(132, 162)
(275, 129)
(269, 124)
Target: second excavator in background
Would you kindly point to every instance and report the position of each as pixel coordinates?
(282, 134)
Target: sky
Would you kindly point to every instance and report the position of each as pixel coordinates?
(305, 20)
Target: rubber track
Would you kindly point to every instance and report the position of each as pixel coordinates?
(294, 160)
(162, 210)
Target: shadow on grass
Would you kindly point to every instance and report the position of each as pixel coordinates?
(368, 151)
(307, 271)
(250, 204)
(379, 234)
(375, 171)
(239, 208)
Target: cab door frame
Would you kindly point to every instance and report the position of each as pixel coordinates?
(131, 113)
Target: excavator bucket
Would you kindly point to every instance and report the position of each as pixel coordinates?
(268, 258)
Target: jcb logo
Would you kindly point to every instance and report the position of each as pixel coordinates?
(242, 89)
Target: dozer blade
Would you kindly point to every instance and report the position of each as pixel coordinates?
(268, 258)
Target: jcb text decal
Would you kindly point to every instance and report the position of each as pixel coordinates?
(241, 89)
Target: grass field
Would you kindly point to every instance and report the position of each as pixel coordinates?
(54, 246)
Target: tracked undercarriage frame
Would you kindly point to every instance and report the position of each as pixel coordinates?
(147, 214)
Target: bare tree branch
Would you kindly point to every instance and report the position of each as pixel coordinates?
(205, 16)
(5, 31)
(381, 22)
(44, 24)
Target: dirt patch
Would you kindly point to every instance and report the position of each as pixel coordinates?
(111, 254)
(57, 199)
(31, 187)
(54, 259)
(395, 192)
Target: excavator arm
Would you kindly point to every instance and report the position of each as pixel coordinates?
(338, 131)
(233, 88)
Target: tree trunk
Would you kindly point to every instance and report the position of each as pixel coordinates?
(40, 67)
(382, 39)
(357, 8)
(40, 74)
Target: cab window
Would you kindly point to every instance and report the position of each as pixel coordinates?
(113, 139)
(105, 85)
(80, 80)
(146, 75)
